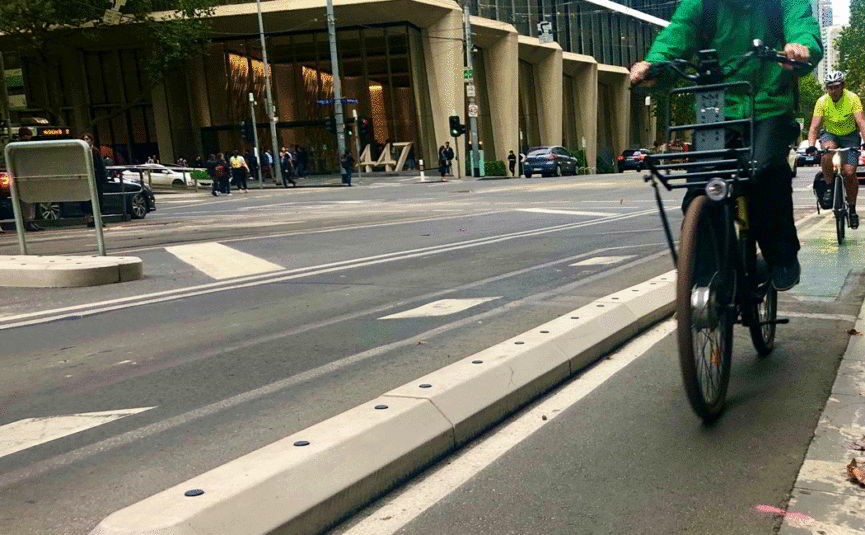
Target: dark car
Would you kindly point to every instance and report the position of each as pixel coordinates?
(631, 160)
(550, 161)
(139, 202)
(803, 159)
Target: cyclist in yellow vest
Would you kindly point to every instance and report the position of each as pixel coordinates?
(840, 113)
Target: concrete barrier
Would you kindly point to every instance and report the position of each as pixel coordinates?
(31, 271)
(311, 480)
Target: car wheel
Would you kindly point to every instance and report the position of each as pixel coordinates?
(528, 174)
(48, 211)
(177, 183)
(138, 206)
(558, 171)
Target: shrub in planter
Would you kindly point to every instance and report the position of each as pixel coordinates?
(200, 175)
(495, 168)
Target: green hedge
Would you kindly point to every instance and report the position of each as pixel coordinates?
(200, 175)
(495, 168)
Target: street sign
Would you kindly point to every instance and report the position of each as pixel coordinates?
(470, 90)
(474, 110)
(468, 74)
(326, 101)
(545, 32)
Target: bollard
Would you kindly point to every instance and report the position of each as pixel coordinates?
(422, 174)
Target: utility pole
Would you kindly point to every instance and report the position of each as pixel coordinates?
(473, 120)
(337, 83)
(255, 138)
(271, 107)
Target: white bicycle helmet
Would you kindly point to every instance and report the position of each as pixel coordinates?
(833, 77)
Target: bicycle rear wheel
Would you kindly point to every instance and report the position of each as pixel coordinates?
(762, 308)
(840, 209)
(704, 311)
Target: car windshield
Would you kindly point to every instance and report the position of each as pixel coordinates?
(630, 152)
(539, 152)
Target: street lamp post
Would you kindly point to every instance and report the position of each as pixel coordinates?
(271, 107)
(339, 119)
(473, 120)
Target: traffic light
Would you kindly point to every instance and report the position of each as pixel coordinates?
(457, 129)
(349, 131)
(330, 125)
(363, 127)
(247, 131)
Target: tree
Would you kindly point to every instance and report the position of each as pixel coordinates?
(172, 31)
(850, 45)
(809, 91)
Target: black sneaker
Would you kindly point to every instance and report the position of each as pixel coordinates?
(854, 220)
(785, 276)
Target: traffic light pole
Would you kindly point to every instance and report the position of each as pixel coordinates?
(255, 138)
(271, 107)
(473, 121)
(337, 82)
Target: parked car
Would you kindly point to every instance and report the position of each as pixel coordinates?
(550, 161)
(4, 184)
(631, 159)
(803, 159)
(139, 202)
(160, 175)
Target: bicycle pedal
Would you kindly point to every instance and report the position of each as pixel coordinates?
(779, 321)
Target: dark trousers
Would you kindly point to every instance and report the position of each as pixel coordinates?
(239, 176)
(771, 190)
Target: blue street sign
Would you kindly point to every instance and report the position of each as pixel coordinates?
(343, 100)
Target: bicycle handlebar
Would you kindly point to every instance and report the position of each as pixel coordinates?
(694, 73)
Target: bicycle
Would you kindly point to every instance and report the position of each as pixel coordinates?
(721, 280)
(839, 195)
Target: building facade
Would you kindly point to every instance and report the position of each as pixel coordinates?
(401, 63)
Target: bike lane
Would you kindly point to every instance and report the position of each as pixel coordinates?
(631, 457)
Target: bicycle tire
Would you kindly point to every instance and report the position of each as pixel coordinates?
(839, 209)
(706, 376)
(762, 306)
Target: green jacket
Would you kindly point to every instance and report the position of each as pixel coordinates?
(738, 23)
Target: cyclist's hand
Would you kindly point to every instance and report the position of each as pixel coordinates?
(639, 72)
(797, 52)
(811, 150)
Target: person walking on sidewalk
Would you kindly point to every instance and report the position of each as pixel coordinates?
(239, 171)
(730, 27)
(449, 155)
(512, 162)
(223, 174)
(210, 165)
(287, 168)
(347, 163)
(443, 163)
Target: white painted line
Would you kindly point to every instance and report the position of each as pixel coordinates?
(442, 307)
(30, 432)
(221, 262)
(603, 260)
(814, 316)
(426, 492)
(566, 212)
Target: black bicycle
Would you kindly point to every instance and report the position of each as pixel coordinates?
(839, 195)
(721, 279)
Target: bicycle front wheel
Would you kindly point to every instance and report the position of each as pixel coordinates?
(704, 309)
(840, 209)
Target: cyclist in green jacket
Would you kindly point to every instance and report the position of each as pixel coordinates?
(730, 26)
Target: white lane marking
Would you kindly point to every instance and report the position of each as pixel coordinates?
(426, 492)
(442, 307)
(814, 316)
(603, 260)
(221, 262)
(30, 432)
(22, 320)
(565, 212)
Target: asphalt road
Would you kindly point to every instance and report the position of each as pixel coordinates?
(222, 366)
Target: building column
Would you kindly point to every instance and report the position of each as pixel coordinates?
(548, 84)
(584, 72)
(615, 79)
(444, 55)
(163, 123)
(502, 59)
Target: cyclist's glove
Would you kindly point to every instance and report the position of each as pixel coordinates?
(811, 150)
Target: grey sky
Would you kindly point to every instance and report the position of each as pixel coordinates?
(840, 11)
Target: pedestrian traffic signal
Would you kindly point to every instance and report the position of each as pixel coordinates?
(349, 131)
(457, 128)
(363, 127)
(330, 125)
(247, 132)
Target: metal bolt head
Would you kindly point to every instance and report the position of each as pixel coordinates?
(191, 493)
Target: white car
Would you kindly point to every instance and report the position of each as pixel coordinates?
(161, 175)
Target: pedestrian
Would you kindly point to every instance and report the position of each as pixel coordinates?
(443, 163)
(267, 164)
(347, 162)
(411, 160)
(288, 171)
(28, 210)
(210, 165)
(512, 162)
(223, 174)
(252, 163)
(101, 176)
(449, 155)
(302, 159)
(239, 171)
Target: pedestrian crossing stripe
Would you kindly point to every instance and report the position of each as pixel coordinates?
(221, 262)
(442, 307)
(602, 260)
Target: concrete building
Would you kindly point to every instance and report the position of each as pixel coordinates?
(831, 57)
(402, 60)
(825, 19)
